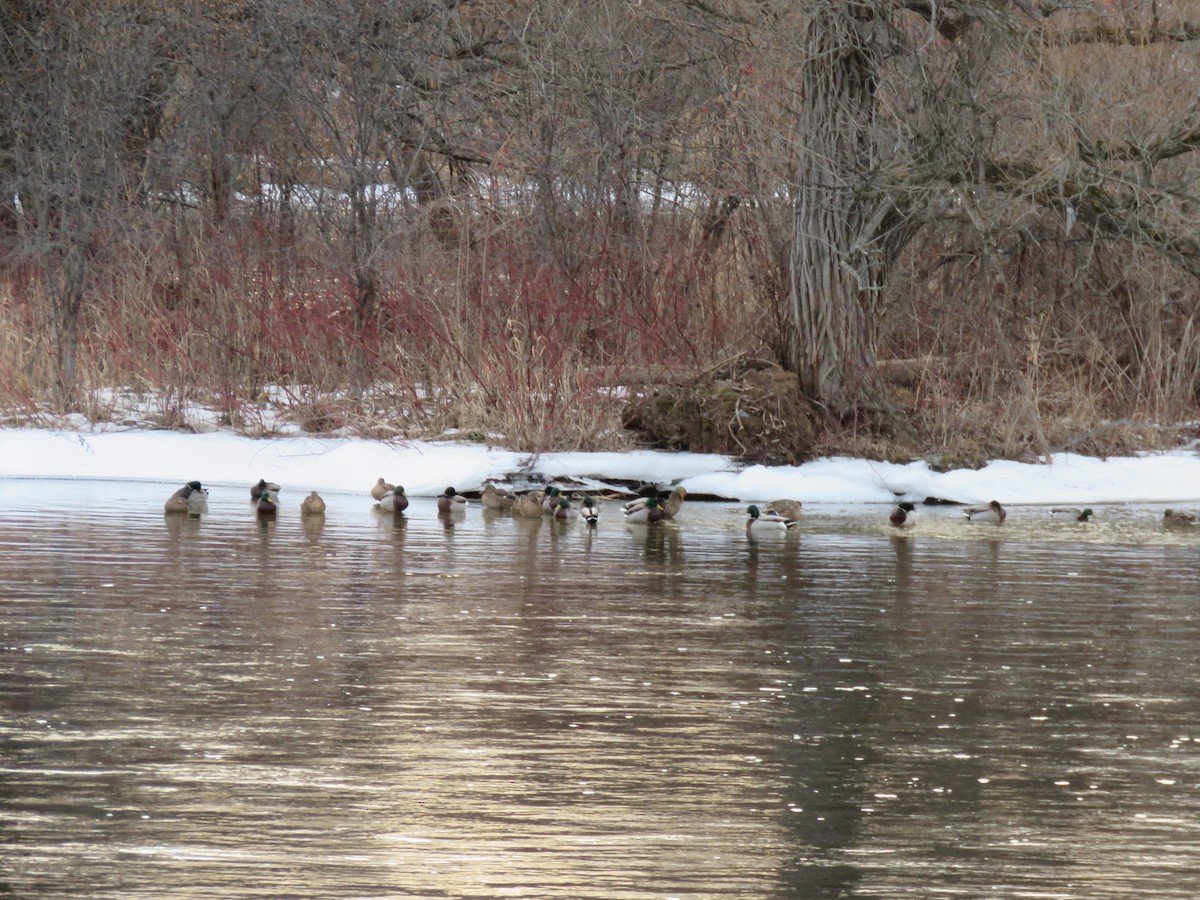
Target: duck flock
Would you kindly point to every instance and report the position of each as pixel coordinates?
(551, 500)
(776, 517)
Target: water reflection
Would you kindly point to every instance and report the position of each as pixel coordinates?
(378, 705)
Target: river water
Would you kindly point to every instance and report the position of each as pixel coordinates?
(369, 707)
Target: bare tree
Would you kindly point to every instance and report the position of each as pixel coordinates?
(79, 117)
(371, 93)
(912, 112)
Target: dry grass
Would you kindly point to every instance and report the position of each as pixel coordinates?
(1094, 353)
(501, 345)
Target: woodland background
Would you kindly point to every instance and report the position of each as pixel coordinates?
(958, 229)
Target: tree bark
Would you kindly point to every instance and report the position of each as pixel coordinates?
(65, 278)
(836, 262)
(363, 249)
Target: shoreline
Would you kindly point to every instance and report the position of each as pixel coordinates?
(426, 468)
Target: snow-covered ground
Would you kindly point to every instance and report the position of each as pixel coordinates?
(347, 465)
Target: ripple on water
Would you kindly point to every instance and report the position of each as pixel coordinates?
(368, 706)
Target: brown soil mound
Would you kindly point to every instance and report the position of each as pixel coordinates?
(757, 414)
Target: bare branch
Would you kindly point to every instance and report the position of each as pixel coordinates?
(1109, 214)
(1119, 35)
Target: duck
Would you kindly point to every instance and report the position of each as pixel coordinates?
(1178, 517)
(267, 503)
(674, 502)
(451, 501)
(1071, 513)
(904, 515)
(550, 495)
(670, 506)
(564, 510)
(589, 513)
(648, 512)
(528, 505)
(395, 501)
(991, 511)
(197, 501)
(263, 485)
(759, 523)
(789, 509)
(380, 489)
(191, 498)
(494, 498)
(312, 505)
(635, 504)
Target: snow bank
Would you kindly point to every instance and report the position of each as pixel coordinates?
(426, 468)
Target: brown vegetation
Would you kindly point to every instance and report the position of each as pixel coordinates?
(755, 412)
(951, 230)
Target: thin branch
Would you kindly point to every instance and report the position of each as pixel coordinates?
(1119, 35)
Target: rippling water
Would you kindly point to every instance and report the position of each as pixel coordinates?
(362, 708)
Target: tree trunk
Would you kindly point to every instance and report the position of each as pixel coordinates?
(835, 264)
(363, 250)
(64, 280)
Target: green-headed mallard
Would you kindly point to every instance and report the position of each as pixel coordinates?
(191, 498)
(648, 512)
(991, 512)
(636, 503)
(451, 501)
(381, 489)
(759, 523)
(670, 506)
(263, 485)
(789, 509)
(395, 500)
(1174, 517)
(494, 498)
(904, 515)
(267, 503)
(589, 513)
(564, 510)
(550, 496)
(312, 505)
(1071, 513)
(528, 505)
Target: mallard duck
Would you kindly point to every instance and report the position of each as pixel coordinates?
(191, 498)
(674, 502)
(904, 515)
(759, 523)
(494, 498)
(528, 505)
(451, 501)
(263, 485)
(312, 505)
(267, 503)
(990, 512)
(381, 489)
(395, 501)
(564, 510)
(1178, 517)
(670, 506)
(635, 504)
(550, 496)
(589, 513)
(789, 509)
(648, 512)
(675, 498)
(1071, 513)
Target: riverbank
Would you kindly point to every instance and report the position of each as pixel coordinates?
(351, 465)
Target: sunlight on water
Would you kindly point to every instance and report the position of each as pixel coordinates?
(369, 706)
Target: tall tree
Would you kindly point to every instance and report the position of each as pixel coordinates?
(79, 116)
(911, 111)
(373, 95)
